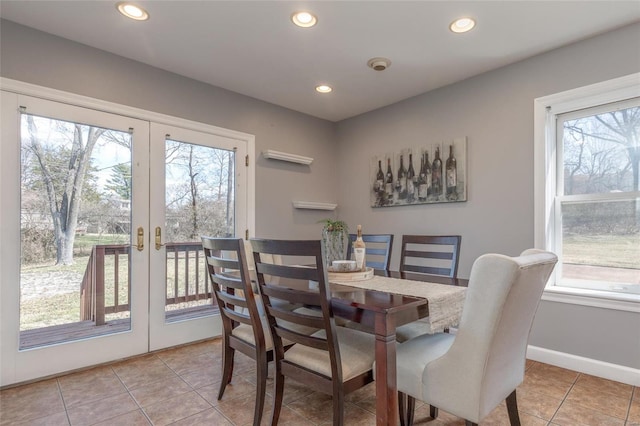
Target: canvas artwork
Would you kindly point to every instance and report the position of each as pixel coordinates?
(430, 173)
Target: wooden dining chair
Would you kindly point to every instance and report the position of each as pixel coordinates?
(377, 249)
(430, 254)
(243, 329)
(468, 374)
(334, 360)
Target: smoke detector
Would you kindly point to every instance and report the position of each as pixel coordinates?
(379, 64)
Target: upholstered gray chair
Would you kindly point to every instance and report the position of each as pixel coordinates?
(468, 374)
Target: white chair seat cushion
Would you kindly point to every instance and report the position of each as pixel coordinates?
(413, 330)
(410, 331)
(357, 354)
(245, 332)
(413, 356)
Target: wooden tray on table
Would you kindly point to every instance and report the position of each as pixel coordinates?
(367, 274)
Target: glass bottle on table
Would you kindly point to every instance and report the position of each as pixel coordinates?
(359, 249)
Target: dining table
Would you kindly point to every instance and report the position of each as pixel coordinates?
(386, 301)
(390, 299)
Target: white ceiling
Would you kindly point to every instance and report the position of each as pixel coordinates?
(253, 48)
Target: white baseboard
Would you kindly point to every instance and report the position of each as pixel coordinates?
(619, 373)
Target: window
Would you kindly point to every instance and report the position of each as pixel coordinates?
(588, 187)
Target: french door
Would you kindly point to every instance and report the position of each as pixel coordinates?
(100, 232)
(197, 188)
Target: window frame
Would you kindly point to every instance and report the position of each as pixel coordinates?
(546, 110)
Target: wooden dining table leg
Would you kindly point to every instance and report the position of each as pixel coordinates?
(386, 384)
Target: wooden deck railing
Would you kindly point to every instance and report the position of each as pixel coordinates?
(183, 255)
(190, 279)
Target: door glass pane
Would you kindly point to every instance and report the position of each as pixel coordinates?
(75, 230)
(200, 200)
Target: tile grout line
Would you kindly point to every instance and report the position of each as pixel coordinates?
(212, 406)
(64, 404)
(565, 397)
(625, 420)
(633, 394)
(194, 390)
(131, 396)
(184, 381)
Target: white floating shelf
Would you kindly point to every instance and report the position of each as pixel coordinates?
(284, 156)
(311, 205)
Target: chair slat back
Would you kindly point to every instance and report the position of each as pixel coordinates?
(431, 254)
(377, 249)
(305, 286)
(227, 267)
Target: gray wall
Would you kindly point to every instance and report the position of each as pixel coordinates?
(495, 112)
(39, 58)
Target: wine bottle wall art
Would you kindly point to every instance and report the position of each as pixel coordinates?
(422, 174)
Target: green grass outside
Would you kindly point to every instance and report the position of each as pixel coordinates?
(618, 251)
(64, 308)
(52, 310)
(83, 244)
(79, 265)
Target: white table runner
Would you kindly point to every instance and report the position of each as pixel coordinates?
(445, 301)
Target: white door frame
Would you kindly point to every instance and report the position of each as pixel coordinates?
(164, 334)
(18, 366)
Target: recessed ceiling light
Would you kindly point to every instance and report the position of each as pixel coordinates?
(304, 19)
(132, 11)
(323, 88)
(462, 25)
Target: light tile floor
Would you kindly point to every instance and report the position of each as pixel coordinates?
(179, 387)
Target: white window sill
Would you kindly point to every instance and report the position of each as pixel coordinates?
(594, 298)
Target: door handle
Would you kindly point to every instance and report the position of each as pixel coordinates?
(140, 245)
(158, 238)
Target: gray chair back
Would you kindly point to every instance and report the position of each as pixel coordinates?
(377, 250)
(431, 254)
(487, 358)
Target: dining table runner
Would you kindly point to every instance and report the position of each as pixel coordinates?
(445, 301)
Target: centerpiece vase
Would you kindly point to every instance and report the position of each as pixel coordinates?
(334, 248)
